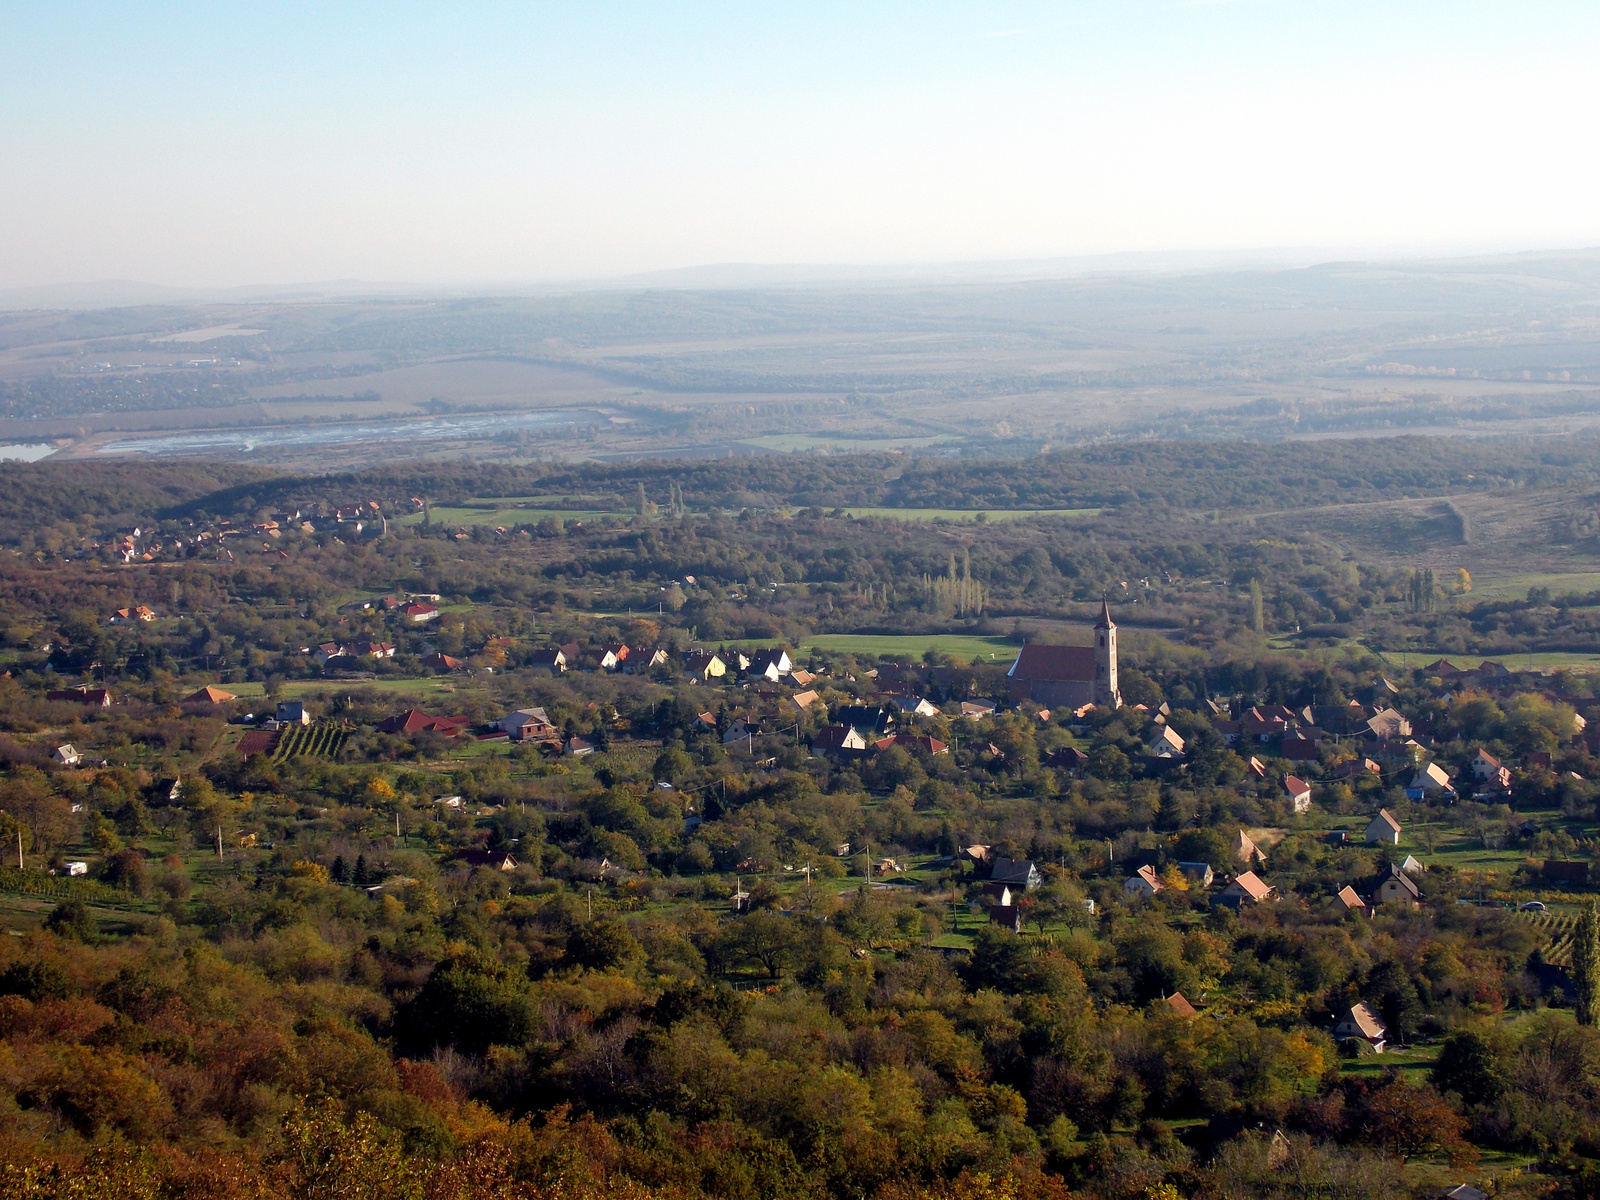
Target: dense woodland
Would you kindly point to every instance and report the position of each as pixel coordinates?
(677, 965)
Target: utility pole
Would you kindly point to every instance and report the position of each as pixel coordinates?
(219, 843)
(19, 848)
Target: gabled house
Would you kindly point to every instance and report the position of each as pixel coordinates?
(1199, 875)
(1018, 872)
(414, 721)
(1430, 780)
(1387, 724)
(576, 747)
(1356, 768)
(647, 659)
(617, 652)
(1246, 852)
(803, 700)
(1350, 901)
(1247, 888)
(1360, 1023)
(1179, 1006)
(92, 696)
(66, 756)
(1383, 829)
(741, 731)
(1008, 915)
(977, 710)
(770, 664)
(841, 740)
(1143, 882)
(443, 662)
(913, 706)
(1485, 766)
(1167, 743)
(210, 695)
(529, 725)
(292, 712)
(702, 664)
(419, 613)
(1299, 793)
(1396, 887)
(494, 860)
(552, 659)
(870, 719)
(1067, 758)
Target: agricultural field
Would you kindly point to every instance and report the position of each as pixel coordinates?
(966, 647)
(324, 739)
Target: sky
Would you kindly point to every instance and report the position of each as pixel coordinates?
(272, 143)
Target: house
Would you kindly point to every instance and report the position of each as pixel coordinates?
(702, 664)
(1299, 793)
(1167, 743)
(1300, 745)
(999, 893)
(292, 712)
(1485, 766)
(1383, 829)
(1350, 901)
(66, 755)
(77, 867)
(741, 731)
(913, 706)
(1067, 758)
(770, 664)
(1387, 724)
(616, 653)
(640, 661)
(1566, 872)
(1178, 1006)
(926, 743)
(1498, 784)
(1017, 872)
(94, 697)
(1256, 768)
(444, 663)
(209, 695)
(1396, 887)
(453, 803)
(1144, 882)
(1429, 780)
(419, 613)
(1360, 1024)
(1246, 851)
(803, 700)
(870, 719)
(1442, 667)
(576, 747)
(1009, 915)
(1070, 676)
(329, 651)
(1465, 1191)
(414, 721)
(1247, 888)
(839, 739)
(1412, 866)
(1356, 768)
(528, 725)
(977, 710)
(494, 860)
(551, 659)
(1198, 874)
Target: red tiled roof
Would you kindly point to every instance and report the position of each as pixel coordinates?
(1054, 663)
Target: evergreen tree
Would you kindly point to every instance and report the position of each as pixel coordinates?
(1586, 965)
(360, 878)
(339, 873)
(1258, 618)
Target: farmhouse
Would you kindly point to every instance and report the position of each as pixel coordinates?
(1383, 829)
(1360, 1024)
(1299, 793)
(1247, 888)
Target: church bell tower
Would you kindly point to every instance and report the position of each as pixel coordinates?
(1105, 659)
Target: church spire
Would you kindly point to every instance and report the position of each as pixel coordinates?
(1105, 621)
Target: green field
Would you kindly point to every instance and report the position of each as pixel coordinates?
(506, 516)
(294, 689)
(964, 646)
(1544, 661)
(1516, 586)
(792, 442)
(968, 514)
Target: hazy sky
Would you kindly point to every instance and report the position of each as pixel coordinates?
(222, 144)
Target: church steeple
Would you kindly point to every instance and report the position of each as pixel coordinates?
(1105, 659)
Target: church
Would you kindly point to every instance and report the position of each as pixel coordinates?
(1070, 676)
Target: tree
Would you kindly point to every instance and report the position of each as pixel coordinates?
(71, 919)
(1470, 1066)
(1257, 614)
(1586, 965)
(1408, 1121)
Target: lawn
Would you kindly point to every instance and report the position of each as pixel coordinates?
(963, 646)
(296, 688)
(1503, 586)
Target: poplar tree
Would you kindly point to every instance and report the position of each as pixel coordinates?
(1586, 965)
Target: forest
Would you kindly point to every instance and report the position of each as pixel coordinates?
(668, 939)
